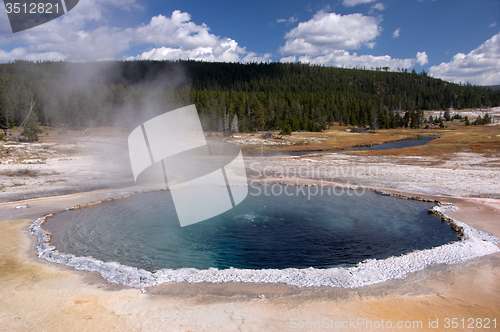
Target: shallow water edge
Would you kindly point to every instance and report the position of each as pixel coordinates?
(473, 243)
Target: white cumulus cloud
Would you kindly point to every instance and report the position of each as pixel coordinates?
(226, 51)
(422, 58)
(327, 32)
(175, 30)
(327, 38)
(174, 37)
(352, 3)
(480, 66)
(22, 53)
(344, 59)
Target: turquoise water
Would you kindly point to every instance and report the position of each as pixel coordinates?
(264, 231)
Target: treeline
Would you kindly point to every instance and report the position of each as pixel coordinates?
(263, 96)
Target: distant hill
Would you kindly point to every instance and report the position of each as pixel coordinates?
(263, 96)
(492, 87)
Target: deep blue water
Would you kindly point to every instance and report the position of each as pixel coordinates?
(272, 231)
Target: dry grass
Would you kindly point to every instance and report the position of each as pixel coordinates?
(456, 137)
(336, 138)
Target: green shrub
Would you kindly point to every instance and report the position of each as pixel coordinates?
(31, 133)
(287, 130)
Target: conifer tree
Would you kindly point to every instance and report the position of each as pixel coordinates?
(226, 123)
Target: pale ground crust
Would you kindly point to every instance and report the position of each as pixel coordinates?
(37, 295)
(42, 296)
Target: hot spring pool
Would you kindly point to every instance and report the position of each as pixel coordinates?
(266, 231)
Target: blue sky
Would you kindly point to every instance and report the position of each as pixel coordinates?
(456, 40)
